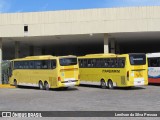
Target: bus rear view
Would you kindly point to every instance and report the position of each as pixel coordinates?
(68, 72)
(153, 68)
(137, 69)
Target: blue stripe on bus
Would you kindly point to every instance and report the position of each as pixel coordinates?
(154, 76)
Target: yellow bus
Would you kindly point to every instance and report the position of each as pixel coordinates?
(45, 72)
(111, 70)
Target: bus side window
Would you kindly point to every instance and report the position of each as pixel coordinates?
(37, 64)
(89, 63)
(112, 63)
(45, 64)
(93, 63)
(25, 64)
(117, 63)
(15, 65)
(149, 62)
(120, 62)
(85, 63)
(21, 66)
(31, 64)
(153, 62)
(53, 64)
(80, 63)
(106, 63)
(102, 63)
(98, 63)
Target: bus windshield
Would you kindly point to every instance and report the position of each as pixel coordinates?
(68, 61)
(137, 59)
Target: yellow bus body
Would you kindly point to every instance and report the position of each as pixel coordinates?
(61, 76)
(137, 74)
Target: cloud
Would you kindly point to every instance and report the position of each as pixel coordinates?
(4, 6)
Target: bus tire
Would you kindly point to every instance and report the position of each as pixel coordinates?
(46, 85)
(103, 84)
(15, 83)
(41, 87)
(110, 84)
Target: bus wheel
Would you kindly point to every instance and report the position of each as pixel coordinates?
(46, 85)
(41, 85)
(110, 84)
(15, 83)
(103, 84)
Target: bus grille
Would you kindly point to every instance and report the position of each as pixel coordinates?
(123, 80)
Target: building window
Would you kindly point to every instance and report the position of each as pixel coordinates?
(26, 28)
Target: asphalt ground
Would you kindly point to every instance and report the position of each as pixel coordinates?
(81, 98)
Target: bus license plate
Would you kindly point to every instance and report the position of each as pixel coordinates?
(69, 81)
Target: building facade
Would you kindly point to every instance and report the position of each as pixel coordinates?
(80, 32)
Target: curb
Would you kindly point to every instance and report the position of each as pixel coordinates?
(6, 86)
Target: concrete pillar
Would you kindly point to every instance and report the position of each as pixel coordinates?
(16, 49)
(0, 60)
(106, 43)
(112, 46)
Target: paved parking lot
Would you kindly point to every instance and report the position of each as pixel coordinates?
(82, 98)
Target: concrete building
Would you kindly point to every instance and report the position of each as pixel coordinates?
(79, 32)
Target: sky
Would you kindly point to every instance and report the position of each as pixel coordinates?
(12, 6)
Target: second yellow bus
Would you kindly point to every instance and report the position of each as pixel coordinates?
(111, 70)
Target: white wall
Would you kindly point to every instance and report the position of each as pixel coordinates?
(109, 20)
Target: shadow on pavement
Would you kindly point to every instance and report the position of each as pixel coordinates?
(130, 88)
(55, 89)
(90, 86)
(154, 84)
(116, 88)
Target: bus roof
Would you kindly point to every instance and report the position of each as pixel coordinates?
(99, 55)
(108, 55)
(102, 55)
(43, 57)
(153, 55)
